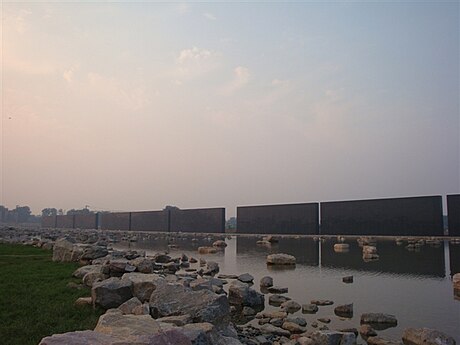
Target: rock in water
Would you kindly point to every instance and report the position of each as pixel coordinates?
(426, 336)
(266, 282)
(281, 259)
(242, 294)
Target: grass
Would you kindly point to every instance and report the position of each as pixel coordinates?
(34, 298)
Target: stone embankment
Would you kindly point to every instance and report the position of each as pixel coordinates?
(165, 300)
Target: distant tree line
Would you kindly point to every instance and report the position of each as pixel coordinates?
(20, 214)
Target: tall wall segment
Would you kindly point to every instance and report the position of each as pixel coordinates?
(279, 219)
(453, 212)
(413, 216)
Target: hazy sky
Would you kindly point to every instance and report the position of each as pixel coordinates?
(132, 106)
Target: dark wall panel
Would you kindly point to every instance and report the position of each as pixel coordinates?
(65, 222)
(86, 221)
(198, 220)
(453, 212)
(279, 219)
(414, 216)
(49, 222)
(114, 221)
(149, 221)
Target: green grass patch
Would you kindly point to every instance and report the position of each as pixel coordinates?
(34, 298)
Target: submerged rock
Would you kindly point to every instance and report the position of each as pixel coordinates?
(379, 318)
(426, 336)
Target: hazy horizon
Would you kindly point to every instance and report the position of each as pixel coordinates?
(134, 106)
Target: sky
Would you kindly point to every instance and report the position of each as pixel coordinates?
(134, 106)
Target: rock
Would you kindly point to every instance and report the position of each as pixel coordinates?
(341, 247)
(143, 284)
(271, 314)
(263, 243)
(321, 302)
(80, 272)
(426, 336)
(290, 306)
(207, 250)
(246, 278)
(309, 308)
(277, 289)
(266, 282)
(84, 301)
(91, 277)
(78, 338)
(248, 311)
(347, 279)
(219, 244)
(211, 268)
(202, 305)
(298, 320)
(227, 276)
(367, 331)
(178, 320)
(277, 300)
(375, 319)
(332, 338)
(143, 309)
(129, 306)
(381, 341)
(94, 252)
(129, 327)
(242, 294)
(324, 320)
(261, 340)
(276, 322)
(345, 310)
(281, 259)
(456, 284)
(270, 329)
(369, 250)
(293, 327)
(112, 292)
(117, 267)
(143, 265)
(161, 258)
(65, 250)
(270, 238)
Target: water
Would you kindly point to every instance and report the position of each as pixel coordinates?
(415, 286)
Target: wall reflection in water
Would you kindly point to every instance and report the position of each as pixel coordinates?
(426, 261)
(454, 253)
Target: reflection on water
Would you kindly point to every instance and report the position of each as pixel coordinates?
(415, 286)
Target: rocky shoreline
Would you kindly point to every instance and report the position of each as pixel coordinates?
(160, 299)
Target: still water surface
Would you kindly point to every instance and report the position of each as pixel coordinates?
(415, 286)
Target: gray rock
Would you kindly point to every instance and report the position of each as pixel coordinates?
(94, 252)
(277, 322)
(91, 277)
(129, 306)
(202, 305)
(426, 336)
(277, 300)
(293, 327)
(66, 250)
(277, 289)
(78, 338)
(270, 329)
(367, 331)
(290, 306)
(309, 308)
(178, 320)
(246, 278)
(242, 294)
(112, 292)
(381, 341)
(266, 282)
(332, 338)
(379, 318)
(322, 302)
(143, 284)
(298, 320)
(348, 279)
(211, 268)
(143, 265)
(81, 271)
(345, 310)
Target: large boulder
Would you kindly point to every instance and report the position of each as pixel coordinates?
(112, 292)
(280, 259)
(426, 336)
(94, 252)
(129, 327)
(82, 271)
(202, 305)
(143, 284)
(243, 295)
(66, 250)
(78, 338)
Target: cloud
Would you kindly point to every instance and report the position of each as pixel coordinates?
(195, 62)
(209, 16)
(17, 21)
(182, 8)
(241, 77)
(68, 75)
